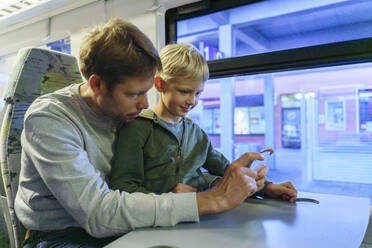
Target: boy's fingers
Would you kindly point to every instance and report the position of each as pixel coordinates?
(182, 188)
(290, 185)
(290, 192)
(292, 199)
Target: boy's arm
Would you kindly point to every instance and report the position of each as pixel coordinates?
(212, 180)
(216, 162)
(127, 173)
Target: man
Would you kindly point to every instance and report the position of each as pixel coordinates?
(67, 149)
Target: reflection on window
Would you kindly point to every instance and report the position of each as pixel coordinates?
(210, 120)
(322, 122)
(291, 120)
(335, 115)
(365, 110)
(266, 26)
(249, 120)
(241, 121)
(256, 120)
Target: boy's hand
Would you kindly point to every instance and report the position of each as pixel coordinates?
(285, 191)
(183, 188)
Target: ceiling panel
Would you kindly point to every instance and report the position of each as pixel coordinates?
(10, 7)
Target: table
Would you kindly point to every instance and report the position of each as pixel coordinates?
(337, 221)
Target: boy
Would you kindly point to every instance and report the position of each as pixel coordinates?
(163, 150)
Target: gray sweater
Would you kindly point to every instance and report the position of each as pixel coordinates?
(66, 159)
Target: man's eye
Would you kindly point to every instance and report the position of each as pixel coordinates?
(134, 95)
(184, 91)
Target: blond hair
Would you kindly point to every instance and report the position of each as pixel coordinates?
(182, 61)
(118, 50)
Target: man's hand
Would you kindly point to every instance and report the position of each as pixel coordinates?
(261, 171)
(183, 188)
(285, 191)
(216, 182)
(238, 183)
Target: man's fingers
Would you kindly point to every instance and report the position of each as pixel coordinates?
(247, 158)
(248, 172)
(268, 150)
(262, 170)
(252, 185)
(260, 183)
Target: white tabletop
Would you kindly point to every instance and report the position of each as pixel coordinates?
(337, 221)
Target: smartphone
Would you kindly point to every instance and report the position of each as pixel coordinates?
(266, 154)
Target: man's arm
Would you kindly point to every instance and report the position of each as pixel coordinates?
(57, 152)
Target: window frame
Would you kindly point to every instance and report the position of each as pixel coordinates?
(325, 55)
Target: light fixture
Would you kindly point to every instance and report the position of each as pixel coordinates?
(11, 7)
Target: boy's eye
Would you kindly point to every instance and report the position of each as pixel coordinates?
(184, 91)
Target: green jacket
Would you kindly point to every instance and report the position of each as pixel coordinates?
(149, 157)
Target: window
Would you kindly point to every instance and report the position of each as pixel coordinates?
(364, 102)
(6, 65)
(273, 25)
(279, 79)
(62, 45)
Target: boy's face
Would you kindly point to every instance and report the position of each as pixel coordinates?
(127, 98)
(180, 96)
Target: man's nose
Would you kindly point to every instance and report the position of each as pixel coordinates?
(143, 103)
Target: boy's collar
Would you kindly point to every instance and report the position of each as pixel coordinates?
(150, 114)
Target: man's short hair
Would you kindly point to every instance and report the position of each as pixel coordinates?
(118, 50)
(182, 61)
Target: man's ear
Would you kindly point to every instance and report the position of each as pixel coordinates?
(159, 83)
(96, 84)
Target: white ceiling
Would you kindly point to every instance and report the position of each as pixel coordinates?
(11, 7)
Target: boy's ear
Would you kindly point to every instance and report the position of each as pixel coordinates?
(97, 85)
(159, 84)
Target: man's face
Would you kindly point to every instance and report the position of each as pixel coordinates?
(127, 98)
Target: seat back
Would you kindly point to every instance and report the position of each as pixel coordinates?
(36, 72)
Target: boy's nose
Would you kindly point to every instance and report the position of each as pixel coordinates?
(191, 100)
